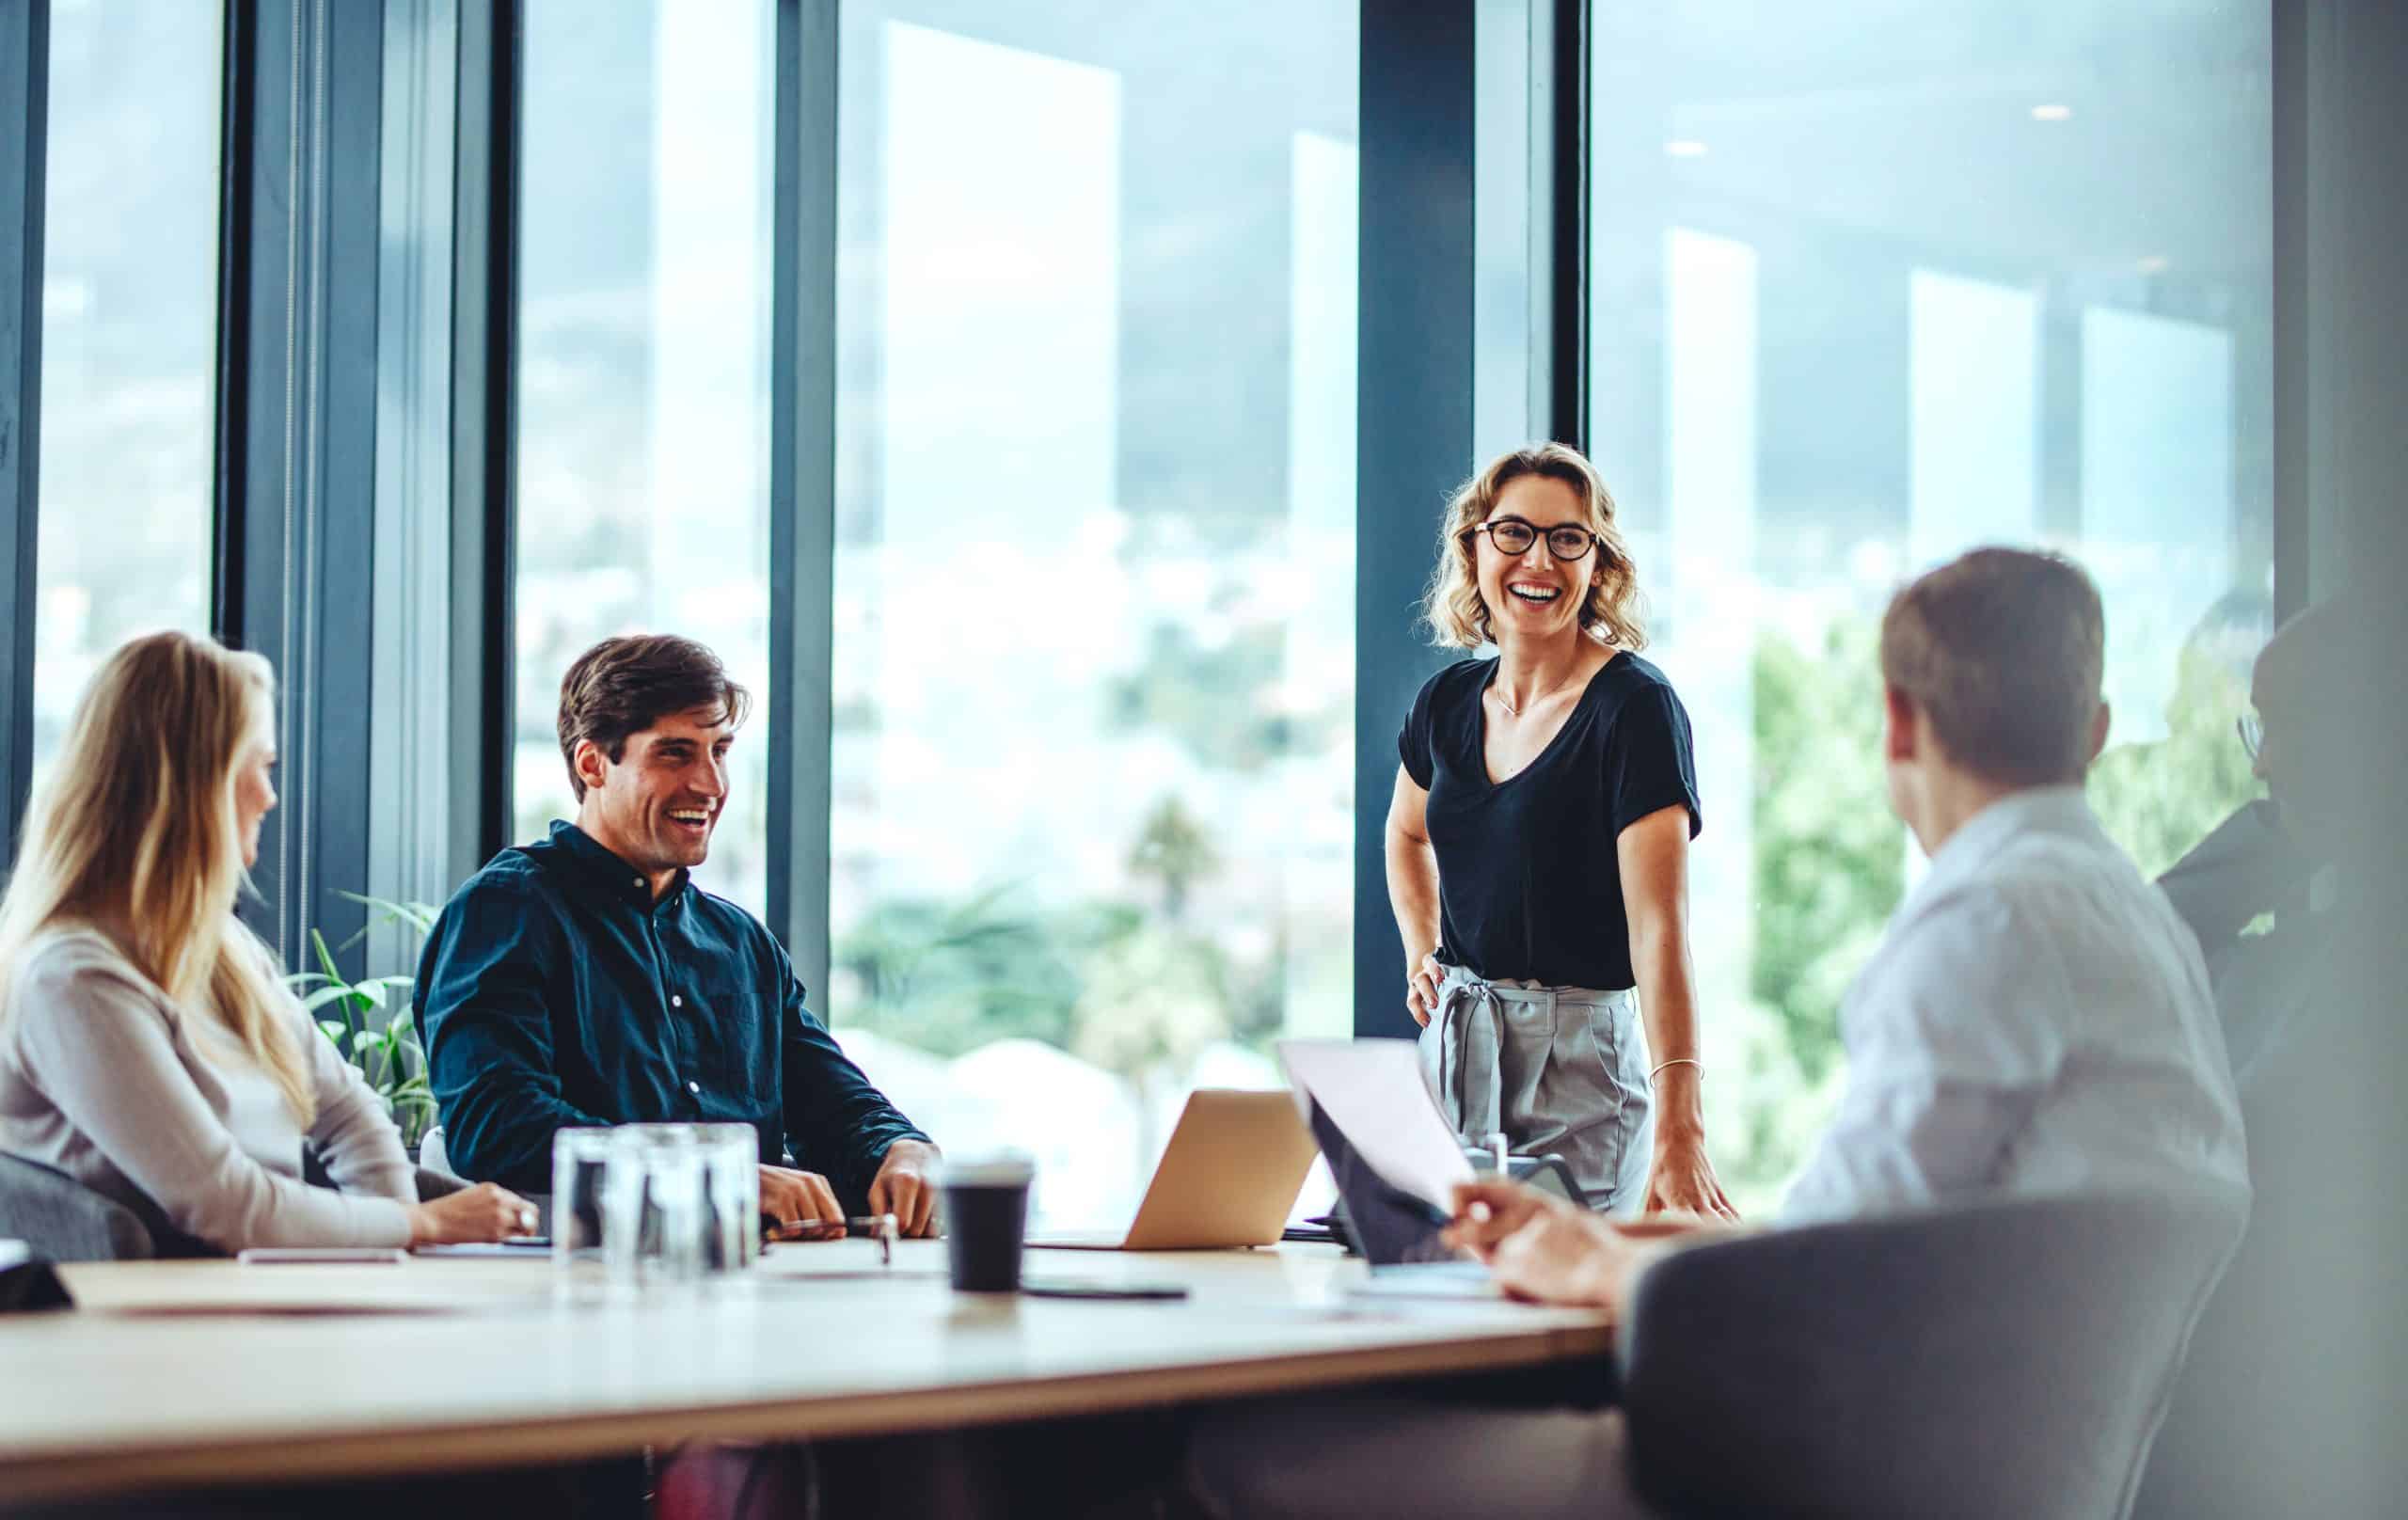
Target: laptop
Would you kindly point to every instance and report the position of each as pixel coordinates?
(1232, 1170)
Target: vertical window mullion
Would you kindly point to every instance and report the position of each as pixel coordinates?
(802, 443)
(25, 72)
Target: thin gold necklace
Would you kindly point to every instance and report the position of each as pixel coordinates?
(1511, 711)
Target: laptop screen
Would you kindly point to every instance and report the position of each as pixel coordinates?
(1390, 1224)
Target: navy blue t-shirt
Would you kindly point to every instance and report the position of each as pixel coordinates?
(1530, 886)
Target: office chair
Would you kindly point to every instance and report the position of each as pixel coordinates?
(1999, 1360)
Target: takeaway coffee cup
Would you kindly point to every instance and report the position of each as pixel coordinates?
(986, 1213)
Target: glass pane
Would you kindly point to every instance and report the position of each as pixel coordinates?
(643, 381)
(1873, 285)
(128, 333)
(1093, 756)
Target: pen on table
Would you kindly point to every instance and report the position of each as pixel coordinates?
(884, 1228)
(858, 1225)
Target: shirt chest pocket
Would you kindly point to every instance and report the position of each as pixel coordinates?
(726, 1023)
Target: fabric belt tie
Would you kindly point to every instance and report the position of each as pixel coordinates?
(1471, 1036)
(1555, 1069)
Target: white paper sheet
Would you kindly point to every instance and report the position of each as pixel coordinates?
(1372, 1091)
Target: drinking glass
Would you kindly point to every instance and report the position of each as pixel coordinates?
(586, 1165)
(731, 1236)
(651, 1232)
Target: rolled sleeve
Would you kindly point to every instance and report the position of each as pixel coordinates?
(1651, 761)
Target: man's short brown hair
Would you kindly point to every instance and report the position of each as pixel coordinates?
(623, 686)
(2003, 649)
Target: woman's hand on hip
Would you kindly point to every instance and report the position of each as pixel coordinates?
(1682, 1180)
(1422, 989)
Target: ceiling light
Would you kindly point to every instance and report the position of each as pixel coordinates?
(1684, 148)
(2052, 113)
(2156, 264)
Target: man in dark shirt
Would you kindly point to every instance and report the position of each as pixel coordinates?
(585, 980)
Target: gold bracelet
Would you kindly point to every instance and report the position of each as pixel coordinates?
(1677, 1060)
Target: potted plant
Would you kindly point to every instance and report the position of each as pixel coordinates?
(386, 1050)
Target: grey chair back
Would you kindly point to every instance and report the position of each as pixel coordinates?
(65, 1221)
(2004, 1361)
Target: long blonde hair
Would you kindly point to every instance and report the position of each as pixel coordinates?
(134, 828)
(1612, 613)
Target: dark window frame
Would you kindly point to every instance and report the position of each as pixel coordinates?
(25, 133)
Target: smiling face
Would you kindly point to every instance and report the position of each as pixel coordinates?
(656, 805)
(1533, 595)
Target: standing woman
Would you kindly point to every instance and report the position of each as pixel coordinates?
(1538, 848)
(147, 1047)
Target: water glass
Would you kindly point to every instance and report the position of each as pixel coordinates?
(646, 1207)
(586, 1163)
(651, 1232)
(731, 1198)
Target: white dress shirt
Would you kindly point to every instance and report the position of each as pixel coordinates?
(2037, 1020)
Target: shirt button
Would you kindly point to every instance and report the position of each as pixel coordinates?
(639, 880)
(677, 1001)
(694, 1087)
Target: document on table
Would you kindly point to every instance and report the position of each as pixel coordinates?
(1372, 1090)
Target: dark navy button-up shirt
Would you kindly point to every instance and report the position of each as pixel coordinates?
(555, 991)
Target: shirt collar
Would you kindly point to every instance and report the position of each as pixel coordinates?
(608, 872)
(2048, 809)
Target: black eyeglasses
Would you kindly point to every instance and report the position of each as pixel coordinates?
(2252, 730)
(1513, 536)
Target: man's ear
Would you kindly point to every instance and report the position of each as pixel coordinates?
(591, 765)
(1898, 724)
(2099, 725)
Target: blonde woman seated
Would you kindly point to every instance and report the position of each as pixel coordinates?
(147, 1047)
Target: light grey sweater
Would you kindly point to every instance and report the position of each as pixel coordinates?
(104, 1077)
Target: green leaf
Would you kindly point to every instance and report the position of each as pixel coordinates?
(325, 957)
(325, 995)
(419, 916)
(333, 1029)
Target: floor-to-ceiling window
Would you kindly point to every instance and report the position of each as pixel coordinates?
(129, 327)
(1872, 284)
(1095, 518)
(644, 380)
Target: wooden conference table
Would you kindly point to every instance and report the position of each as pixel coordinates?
(192, 1373)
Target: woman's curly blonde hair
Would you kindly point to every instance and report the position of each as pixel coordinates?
(1613, 612)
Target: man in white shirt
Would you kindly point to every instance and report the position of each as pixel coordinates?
(2036, 1021)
